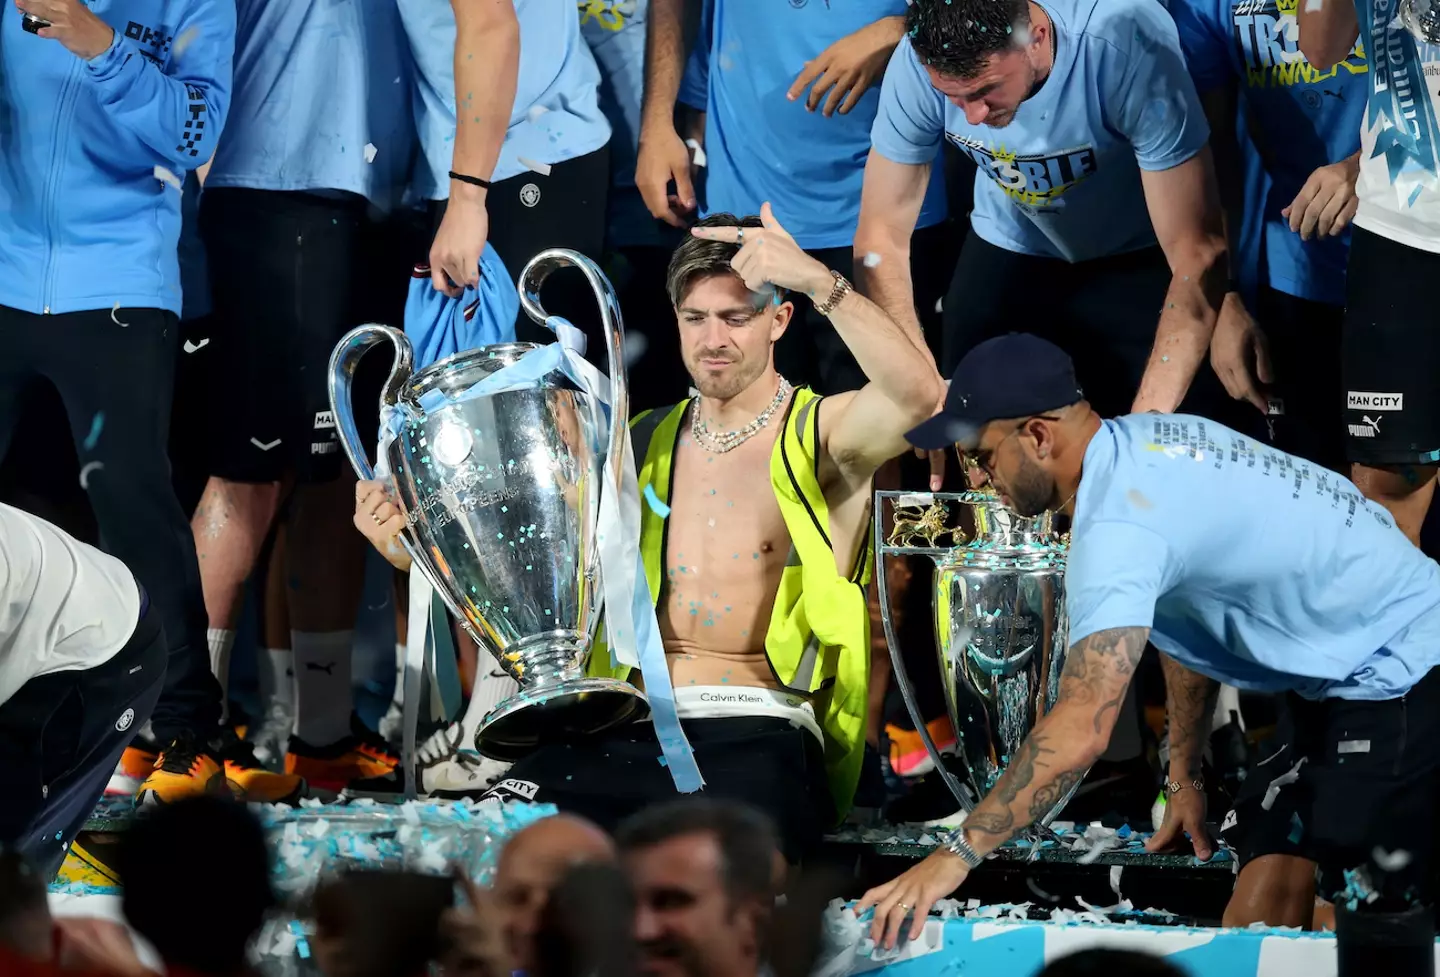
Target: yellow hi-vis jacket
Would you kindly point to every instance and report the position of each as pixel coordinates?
(818, 643)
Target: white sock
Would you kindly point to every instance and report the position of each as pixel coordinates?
(323, 698)
(221, 642)
(277, 678)
(488, 693)
(1227, 702)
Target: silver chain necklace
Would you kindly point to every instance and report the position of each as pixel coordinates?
(725, 441)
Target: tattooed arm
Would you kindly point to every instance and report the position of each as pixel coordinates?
(1066, 740)
(1053, 758)
(1189, 703)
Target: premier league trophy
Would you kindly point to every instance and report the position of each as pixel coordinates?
(500, 484)
(999, 624)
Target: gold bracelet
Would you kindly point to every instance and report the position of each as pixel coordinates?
(841, 289)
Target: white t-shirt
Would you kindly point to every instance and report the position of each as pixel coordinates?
(1399, 184)
(63, 605)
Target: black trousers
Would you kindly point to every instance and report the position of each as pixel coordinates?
(61, 736)
(1102, 312)
(764, 762)
(114, 372)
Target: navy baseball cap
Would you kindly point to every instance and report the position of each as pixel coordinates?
(1016, 375)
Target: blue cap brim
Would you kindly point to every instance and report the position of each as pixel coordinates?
(942, 431)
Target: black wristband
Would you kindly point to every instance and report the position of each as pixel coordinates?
(472, 180)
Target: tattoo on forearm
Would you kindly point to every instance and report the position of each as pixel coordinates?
(1189, 702)
(1098, 669)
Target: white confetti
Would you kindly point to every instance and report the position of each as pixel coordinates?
(165, 176)
(542, 168)
(185, 39)
(938, 302)
(1313, 6)
(635, 346)
(1391, 861)
(535, 111)
(697, 152)
(93, 466)
(872, 260)
(1115, 871)
(114, 318)
(370, 152)
(1273, 791)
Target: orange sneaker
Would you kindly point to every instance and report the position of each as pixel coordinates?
(183, 769)
(252, 782)
(356, 757)
(908, 756)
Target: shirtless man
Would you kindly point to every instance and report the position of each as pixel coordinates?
(755, 543)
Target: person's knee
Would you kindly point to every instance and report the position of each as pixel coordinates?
(1277, 890)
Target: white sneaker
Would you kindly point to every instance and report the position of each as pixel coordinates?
(272, 736)
(446, 772)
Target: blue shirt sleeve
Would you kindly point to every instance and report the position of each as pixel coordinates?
(1147, 83)
(1204, 43)
(910, 121)
(1114, 574)
(177, 111)
(695, 83)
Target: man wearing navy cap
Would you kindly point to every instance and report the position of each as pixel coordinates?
(1243, 565)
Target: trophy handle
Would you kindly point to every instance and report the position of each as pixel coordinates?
(343, 362)
(531, 278)
(897, 660)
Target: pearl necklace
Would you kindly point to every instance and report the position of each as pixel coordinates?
(726, 441)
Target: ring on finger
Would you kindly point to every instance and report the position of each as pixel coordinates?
(376, 517)
(740, 236)
(903, 905)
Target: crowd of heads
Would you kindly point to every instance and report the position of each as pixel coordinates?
(689, 888)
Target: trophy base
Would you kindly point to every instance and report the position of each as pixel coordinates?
(555, 713)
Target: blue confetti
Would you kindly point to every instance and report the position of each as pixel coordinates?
(663, 762)
(653, 501)
(97, 424)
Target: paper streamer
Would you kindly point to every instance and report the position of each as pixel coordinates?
(631, 628)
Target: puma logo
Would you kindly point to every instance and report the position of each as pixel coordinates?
(314, 667)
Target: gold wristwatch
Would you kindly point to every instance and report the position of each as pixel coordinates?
(841, 289)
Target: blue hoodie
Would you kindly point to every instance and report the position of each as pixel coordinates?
(84, 221)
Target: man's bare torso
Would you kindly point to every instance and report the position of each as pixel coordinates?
(725, 549)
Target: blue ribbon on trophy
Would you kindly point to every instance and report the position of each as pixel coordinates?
(1400, 100)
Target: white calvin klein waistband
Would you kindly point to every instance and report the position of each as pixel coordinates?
(730, 701)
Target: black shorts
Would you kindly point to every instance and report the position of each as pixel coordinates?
(764, 762)
(285, 270)
(1367, 779)
(1102, 312)
(1306, 407)
(1391, 352)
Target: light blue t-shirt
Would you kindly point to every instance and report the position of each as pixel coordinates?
(1293, 120)
(319, 100)
(1064, 175)
(615, 32)
(760, 145)
(1251, 566)
(556, 116)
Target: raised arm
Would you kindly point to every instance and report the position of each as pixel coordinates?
(865, 428)
(1327, 32)
(487, 67)
(1051, 761)
(1185, 210)
(890, 205)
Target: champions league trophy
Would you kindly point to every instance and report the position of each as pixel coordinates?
(1000, 629)
(501, 496)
